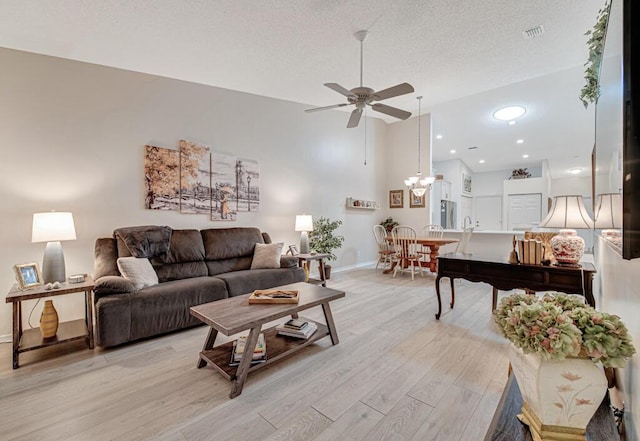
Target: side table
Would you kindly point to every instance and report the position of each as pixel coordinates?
(30, 339)
(303, 261)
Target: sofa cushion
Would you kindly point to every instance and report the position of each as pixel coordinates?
(244, 282)
(184, 259)
(138, 270)
(230, 243)
(267, 256)
(165, 307)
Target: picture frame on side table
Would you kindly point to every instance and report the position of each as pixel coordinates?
(396, 198)
(28, 275)
(293, 250)
(416, 201)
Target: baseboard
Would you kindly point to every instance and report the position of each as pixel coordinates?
(352, 267)
(6, 338)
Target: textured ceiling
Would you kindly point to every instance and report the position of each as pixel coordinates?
(449, 50)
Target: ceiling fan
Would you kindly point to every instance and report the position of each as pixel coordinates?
(365, 96)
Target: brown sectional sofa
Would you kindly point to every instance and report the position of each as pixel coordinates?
(199, 267)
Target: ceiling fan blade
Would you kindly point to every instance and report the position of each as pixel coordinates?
(341, 90)
(391, 111)
(316, 109)
(397, 90)
(355, 118)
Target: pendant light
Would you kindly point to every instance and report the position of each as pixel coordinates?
(417, 184)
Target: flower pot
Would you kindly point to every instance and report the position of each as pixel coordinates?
(559, 396)
(48, 320)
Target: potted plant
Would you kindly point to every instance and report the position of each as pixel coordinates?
(559, 348)
(324, 240)
(388, 224)
(520, 173)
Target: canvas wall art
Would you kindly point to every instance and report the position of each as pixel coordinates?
(248, 184)
(195, 178)
(161, 178)
(223, 187)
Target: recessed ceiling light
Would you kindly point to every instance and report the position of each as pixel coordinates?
(525, 156)
(452, 151)
(520, 141)
(481, 161)
(575, 171)
(512, 122)
(438, 136)
(509, 113)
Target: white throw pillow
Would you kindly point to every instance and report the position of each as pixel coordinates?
(137, 270)
(267, 256)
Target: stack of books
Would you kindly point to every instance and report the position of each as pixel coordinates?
(259, 353)
(531, 251)
(297, 328)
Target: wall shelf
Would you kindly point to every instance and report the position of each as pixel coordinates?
(362, 204)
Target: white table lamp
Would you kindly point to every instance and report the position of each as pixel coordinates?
(52, 228)
(304, 224)
(609, 213)
(567, 213)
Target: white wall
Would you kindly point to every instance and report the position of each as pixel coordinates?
(72, 137)
(402, 162)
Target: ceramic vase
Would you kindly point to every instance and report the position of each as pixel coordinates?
(48, 320)
(559, 397)
(567, 247)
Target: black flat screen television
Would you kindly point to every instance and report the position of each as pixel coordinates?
(618, 117)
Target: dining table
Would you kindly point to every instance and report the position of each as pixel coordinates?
(434, 244)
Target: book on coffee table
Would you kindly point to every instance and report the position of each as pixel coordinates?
(273, 296)
(305, 332)
(259, 353)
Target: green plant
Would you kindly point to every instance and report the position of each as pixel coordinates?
(591, 91)
(322, 239)
(389, 223)
(557, 326)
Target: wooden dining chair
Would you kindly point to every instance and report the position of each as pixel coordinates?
(385, 250)
(406, 250)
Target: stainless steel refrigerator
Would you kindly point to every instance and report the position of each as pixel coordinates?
(448, 214)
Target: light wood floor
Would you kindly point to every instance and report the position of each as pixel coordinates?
(397, 374)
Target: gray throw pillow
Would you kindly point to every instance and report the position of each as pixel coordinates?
(266, 256)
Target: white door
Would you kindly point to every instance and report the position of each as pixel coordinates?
(523, 211)
(488, 212)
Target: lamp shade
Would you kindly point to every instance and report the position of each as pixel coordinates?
(609, 211)
(304, 222)
(567, 212)
(53, 226)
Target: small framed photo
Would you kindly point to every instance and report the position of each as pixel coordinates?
(293, 250)
(396, 198)
(28, 275)
(416, 201)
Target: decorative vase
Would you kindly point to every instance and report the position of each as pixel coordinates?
(48, 320)
(327, 271)
(567, 247)
(559, 397)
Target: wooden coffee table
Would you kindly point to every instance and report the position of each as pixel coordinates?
(234, 315)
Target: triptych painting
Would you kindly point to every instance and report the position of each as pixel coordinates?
(195, 179)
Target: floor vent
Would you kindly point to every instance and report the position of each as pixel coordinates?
(533, 32)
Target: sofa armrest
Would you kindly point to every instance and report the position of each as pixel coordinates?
(109, 285)
(288, 261)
